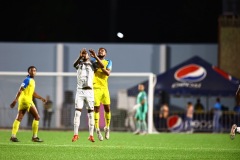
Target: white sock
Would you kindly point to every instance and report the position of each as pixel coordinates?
(91, 123)
(144, 126)
(76, 121)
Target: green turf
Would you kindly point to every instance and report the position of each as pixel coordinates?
(57, 145)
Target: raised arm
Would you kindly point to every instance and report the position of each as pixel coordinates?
(77, 61)
(108, 69)
(94, 55)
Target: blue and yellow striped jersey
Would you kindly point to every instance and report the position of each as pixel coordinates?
(100, 78)
(29, 87)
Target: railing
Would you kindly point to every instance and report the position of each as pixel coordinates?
(203, 121)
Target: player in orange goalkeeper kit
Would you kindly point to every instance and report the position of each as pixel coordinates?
(235, 128)
(101, 92)
(24, 98)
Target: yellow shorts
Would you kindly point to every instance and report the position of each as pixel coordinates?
(101, 96)
(23, 105)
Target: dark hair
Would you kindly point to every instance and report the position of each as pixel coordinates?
(31, 67)
(103, 48)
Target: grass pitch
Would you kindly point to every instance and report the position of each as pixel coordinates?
(57, 145)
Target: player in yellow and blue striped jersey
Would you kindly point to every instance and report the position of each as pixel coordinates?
(24, 98)
(101, 91)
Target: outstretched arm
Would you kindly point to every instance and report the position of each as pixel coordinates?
(17, 96)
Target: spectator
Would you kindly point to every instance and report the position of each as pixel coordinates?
(198, 106)
(189, 117)
(217, 112)
(47, 112)
(163, 115)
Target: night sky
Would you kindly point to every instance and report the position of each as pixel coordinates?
(141, 21)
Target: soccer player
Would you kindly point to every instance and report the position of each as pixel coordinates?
(101, 92)
(141, 113)
(24, 98)
(84, 93)
(235, 128)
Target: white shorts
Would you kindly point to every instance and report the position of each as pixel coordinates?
(84, 98)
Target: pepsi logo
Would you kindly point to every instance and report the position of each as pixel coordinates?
(175, 123)
(190, 73)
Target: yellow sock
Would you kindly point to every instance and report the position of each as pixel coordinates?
(96, 119)
(35, 127)
(15, 127)
(107, 116)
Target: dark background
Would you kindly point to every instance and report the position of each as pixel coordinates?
(141, 21)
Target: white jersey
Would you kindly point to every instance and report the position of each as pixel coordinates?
(85, 74)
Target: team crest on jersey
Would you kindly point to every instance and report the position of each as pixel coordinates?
(190, 73)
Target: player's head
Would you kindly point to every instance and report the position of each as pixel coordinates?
(102, 52)
(84, 54)
(198, 100)
(141, 87)
(189, 103)
(32, 71)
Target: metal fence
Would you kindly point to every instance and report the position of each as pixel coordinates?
(202, 121)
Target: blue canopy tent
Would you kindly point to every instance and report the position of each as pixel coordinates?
(194, 77)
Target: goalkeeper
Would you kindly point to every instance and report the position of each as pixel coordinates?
(141, 112)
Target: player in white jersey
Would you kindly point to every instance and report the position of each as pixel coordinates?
(84, 93)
